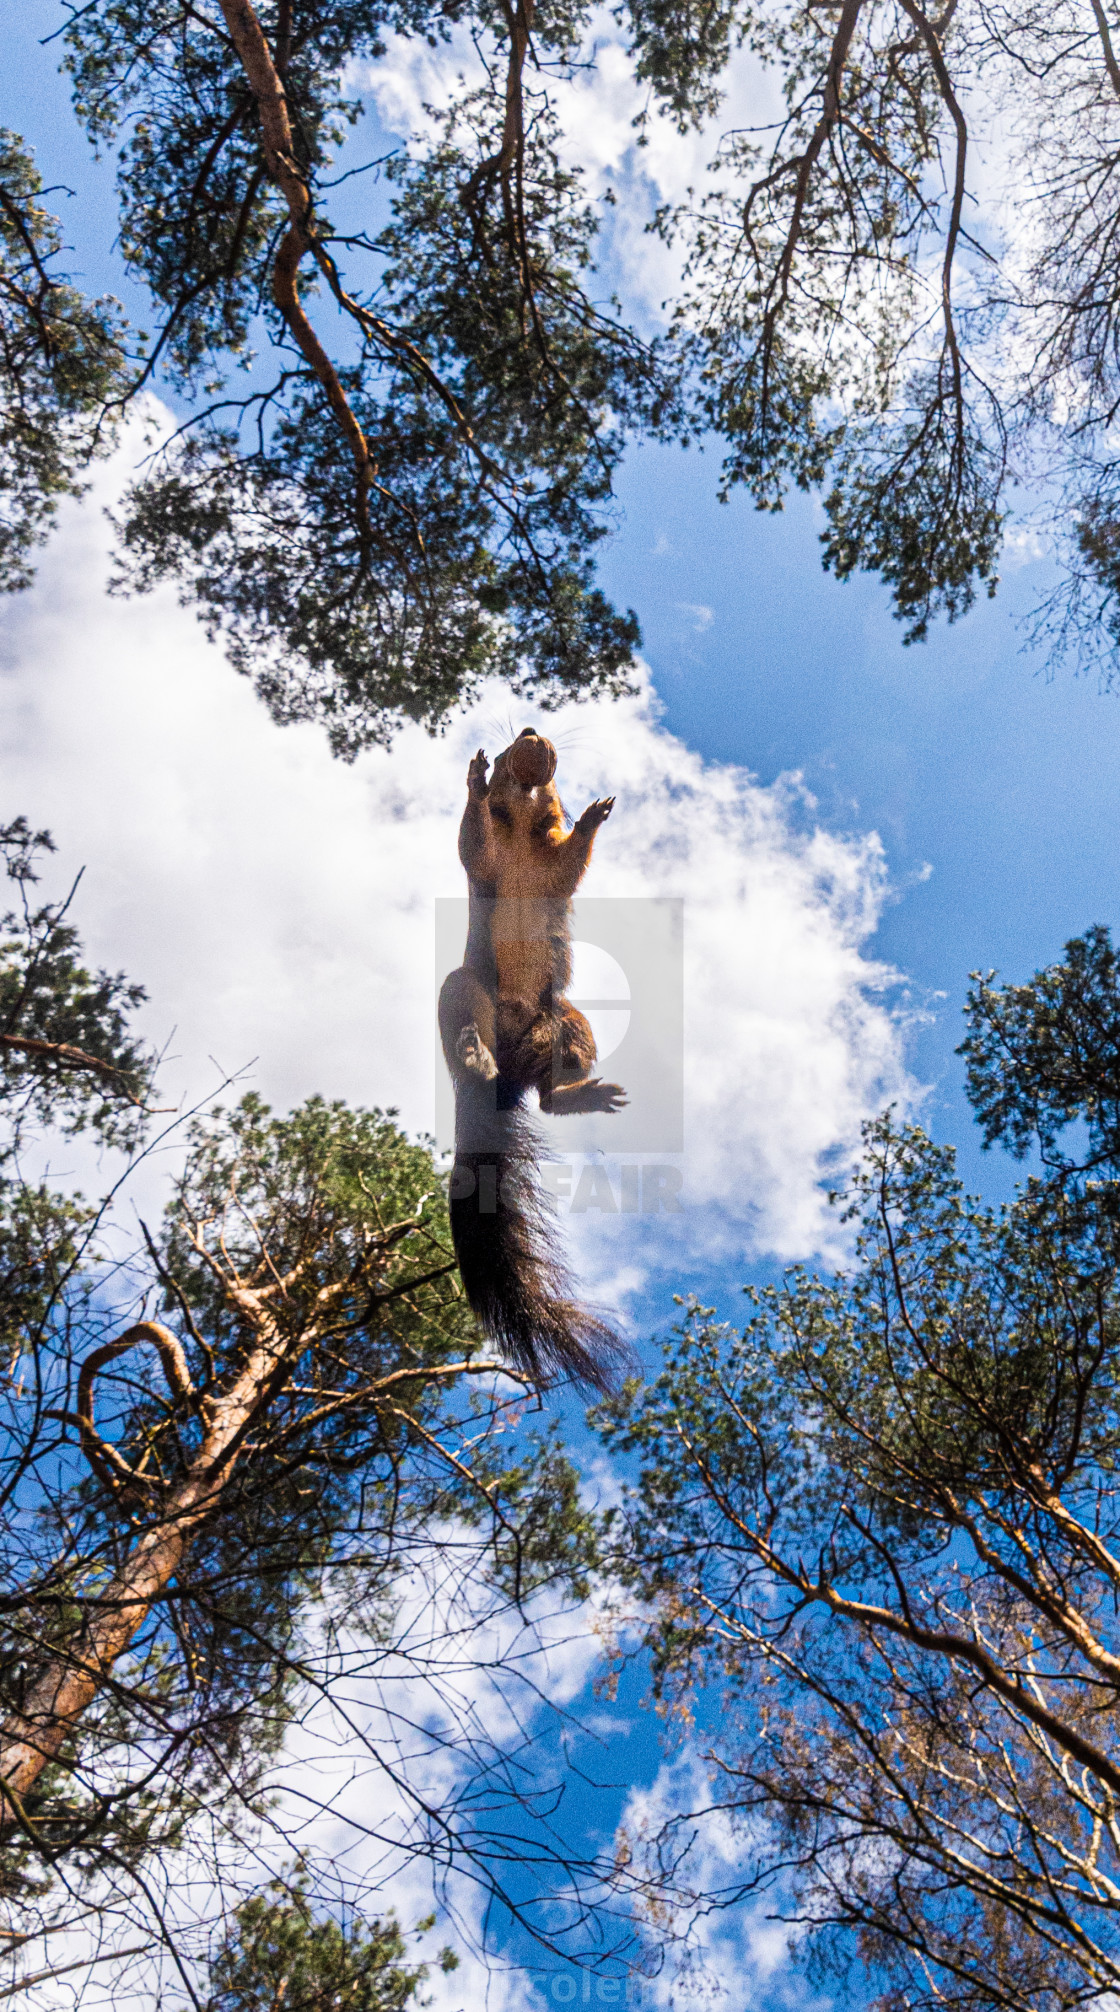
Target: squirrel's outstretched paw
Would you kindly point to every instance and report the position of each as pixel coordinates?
(595, 815)
(476, 775)
(474, 1055)
(594, 1095)
(608, 1096)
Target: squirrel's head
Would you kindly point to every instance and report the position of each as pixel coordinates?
(530, 760)
(523, 800)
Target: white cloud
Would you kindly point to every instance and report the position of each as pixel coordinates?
(789, 1043)
(464, 1712)
(702, 615)
(717, 1950)
(597, 107)
(279, 906)
(475, 1711)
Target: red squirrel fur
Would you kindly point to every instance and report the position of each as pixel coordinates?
(507, 1028)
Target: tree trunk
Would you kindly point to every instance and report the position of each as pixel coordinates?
(33, 1737)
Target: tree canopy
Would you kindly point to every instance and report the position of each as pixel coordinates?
(62, 363)
(883, 1517)
(403, 410)
(277, 1950)
(250, 1460)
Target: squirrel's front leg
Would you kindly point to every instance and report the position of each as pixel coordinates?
(476, 832)
(574, 852)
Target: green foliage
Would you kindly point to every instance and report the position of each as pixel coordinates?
(803, 285)
(682, 52)
(280, 1952)
(493, 394)
(862, 316)
(336, 1224)
(407, 397)
(67, 1056)
(408, 494)
(61, 366)
(919, 504)
(1044, 1055)
(884, 1517)
(1097, 568)
(285, 1369)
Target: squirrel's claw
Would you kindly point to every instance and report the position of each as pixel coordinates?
(600, 1096)
(474, 1055)
(596, 814)
(476, 774)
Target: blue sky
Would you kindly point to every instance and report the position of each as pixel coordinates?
(960, 752)
(993, 780)
(993, 789)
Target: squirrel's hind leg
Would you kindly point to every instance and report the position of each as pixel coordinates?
(474, 1055)
(541, 1050)
(569, 1085)
(569, 1098)
(467, 1026)
(574, 1052)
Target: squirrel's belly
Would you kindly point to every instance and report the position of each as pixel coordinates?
(529, 940)
(526, 970)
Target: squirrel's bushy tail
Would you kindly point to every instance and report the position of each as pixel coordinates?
(505, 1243)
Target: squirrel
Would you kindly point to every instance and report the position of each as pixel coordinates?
(507, 1028)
